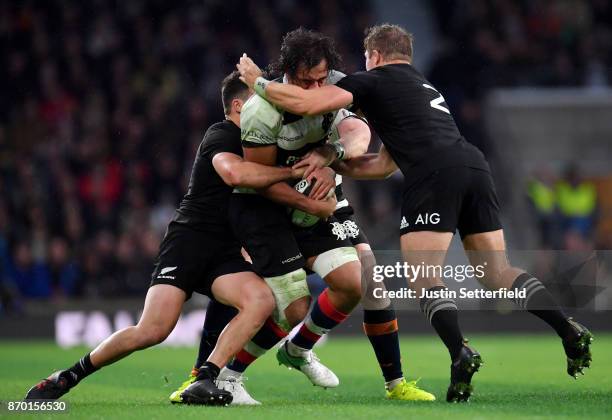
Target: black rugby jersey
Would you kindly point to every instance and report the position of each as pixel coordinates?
(411, 119)
(205, 205)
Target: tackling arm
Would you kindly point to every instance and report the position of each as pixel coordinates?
(290, 97)
(281, 192)
(369, 166)
(354, 136)
(236, 172)
(307, 102)
(349, 138)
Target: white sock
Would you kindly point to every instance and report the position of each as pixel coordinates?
(296, 351)
(227, 373)
(392, 384)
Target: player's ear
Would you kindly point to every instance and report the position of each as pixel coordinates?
(237, 105)
(377, 57)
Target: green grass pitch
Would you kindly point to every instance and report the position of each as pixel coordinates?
(523, 377)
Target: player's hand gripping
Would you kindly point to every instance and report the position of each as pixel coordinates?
(249, 71)
(324, 183)
(315, 159)
(324, 208)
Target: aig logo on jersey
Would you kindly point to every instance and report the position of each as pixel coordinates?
(427, 219)
(422, 219)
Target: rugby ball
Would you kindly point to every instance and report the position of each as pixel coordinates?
(298, 217)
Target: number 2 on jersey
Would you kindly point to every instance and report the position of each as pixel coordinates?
(435, 103)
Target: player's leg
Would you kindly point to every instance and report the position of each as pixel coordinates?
(268, 237)
(380, 322)
(429, 249)
(269, 335)
(217, 317)
(341, 270)
(380, 326)
(162, 309)
(431, 212)
(481, 229)
(379, 319)
(488, 249)
(251, 296)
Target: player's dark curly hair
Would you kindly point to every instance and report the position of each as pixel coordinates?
(304, 47)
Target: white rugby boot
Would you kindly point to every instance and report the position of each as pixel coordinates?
(309, 364)
(233, 382)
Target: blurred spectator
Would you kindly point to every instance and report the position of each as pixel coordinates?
(30, 275)
(541, 192)
(577, 201)
(63, 269)
(565, 208)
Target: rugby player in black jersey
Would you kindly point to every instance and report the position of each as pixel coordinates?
(199, 253)
(445, 176)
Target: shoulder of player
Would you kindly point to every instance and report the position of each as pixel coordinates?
(220, 128)
(359, 78)
(256, 105)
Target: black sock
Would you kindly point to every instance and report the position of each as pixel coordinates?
(539, 302)
(218, 316)
(79, 371)
(381, 328)
(442, 314)
(208, 371)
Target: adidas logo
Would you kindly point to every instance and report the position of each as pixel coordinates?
(404, 223)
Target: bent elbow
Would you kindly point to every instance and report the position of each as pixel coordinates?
(233, 178)
(362, 148)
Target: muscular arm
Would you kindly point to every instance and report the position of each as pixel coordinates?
(236, 172)
(369, 166)
(355, 137)
(308, 102)
(279, 192)
(293, 98)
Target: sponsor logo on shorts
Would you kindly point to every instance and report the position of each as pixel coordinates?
(164, 271)
(428, 219)
(404, 223)
(291, 259)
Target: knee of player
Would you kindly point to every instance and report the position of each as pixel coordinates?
(297, 310)
(354, 290)
(152, 335)
(348, 283)
(258, 299)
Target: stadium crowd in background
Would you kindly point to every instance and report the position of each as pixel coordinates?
(103, 106)
(508, 43)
